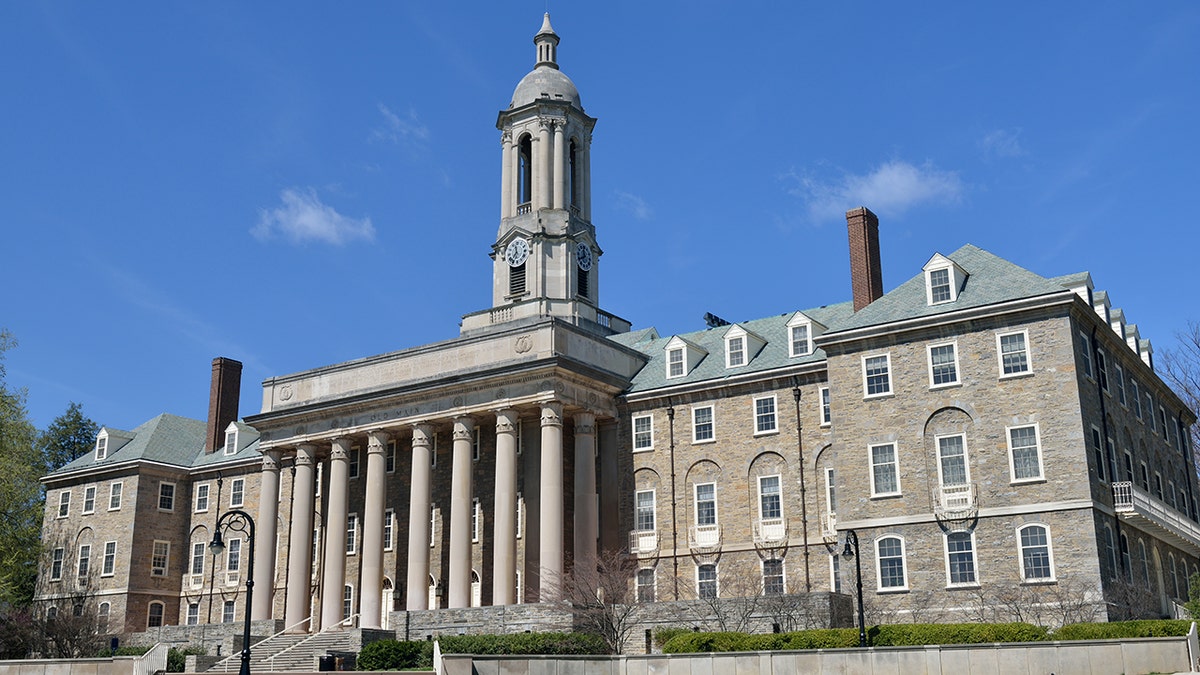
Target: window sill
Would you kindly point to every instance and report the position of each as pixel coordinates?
(116, 509)
(873, 397)
(944, 385)
(1039, 582)
(704, 442)
(887, 495)
(886, 591)
(772, 432)
(1027, 481)
(962, 587)
(826, 425)
(87, 513)
(639, 450)
(1016, 376)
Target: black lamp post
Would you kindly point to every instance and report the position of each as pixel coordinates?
(237, 520)
(852, 536)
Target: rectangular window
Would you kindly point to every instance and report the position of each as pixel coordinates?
(64, 503)
(352, 533)
(89, 499)
(114, 496)
(830, 497)
(706, 504)
(476, 439)
(354, 458)
(166, 497)
(1128, 466)
(675, 362)
(389, 457)
(198, 548)
(109, 565)
(1158, 491)
(233, 555)
(229, 612)
(952, 460)
(56, 564)
(876, 375)
(890, 558)
(960, 558)
(1162, 416)
(769, 498)
(800, 344)
(706, 581)
(1145, 477)
(735, 351)
(1150, 412)
(201, 498)
(835, 572)
(1035, 553)
(1014, 355)
(702, 424)
(160, 557)
(432, 525)
(772, 571)
(237, 493)
(885, 478)
(1085, 354)
(389, 527)
(1136, 395)
(645, 511)
(85, 560)
(1102, 369)
(764, 415)
(231, 442)
(826, 413)
(943, 365)
(101, 448)
(645, 585)
(520, 512)
(193, 614)
(643, 432)
(476, 520)
(1120, 376)
(1112, 460)
(939, 287)
(1098, 453)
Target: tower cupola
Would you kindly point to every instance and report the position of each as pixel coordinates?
(547, 45)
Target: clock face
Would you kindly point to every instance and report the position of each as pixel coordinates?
(517, 252)
(583, 256)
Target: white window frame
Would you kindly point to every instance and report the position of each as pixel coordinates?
(233, 555)
(476, 521)
(1136, 394)
(64, 504)
(161, 616)
(782, 575)
(895, 463)
(389, 457)
(1024, 350)
(778, 496)
(156, 571)
(1012, 467)
(712, 424)
(89, 500)
(1102, 369)
(966, 458)
(716, 518)
(649, 433)
(476, 443)
(950, 285)
(115, 493)
(887, 361)
(101, 447)
(229, 612)
(1086, 348)
(193, 614)
(716, 580)
(1049, 554)
(351, 534)
(58, 558)
(950, 583)
(83, 561)
(1096, 450)
(200, 500)
(774, 414)
(108, 564)
(639, 586)
(1122, 397)
(637, 510)
(231, 441)
(520, 512)
(825, 399)
(199, 551)
(161, 486)
(879, 587)
(830, 492)
(389, 529)
(739, 351)
(953, 345)
(237, 493)
(677, 356)
(433, 510)
(805, 346)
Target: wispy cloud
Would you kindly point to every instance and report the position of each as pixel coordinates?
(402, 129)
(1002, 143)
(891, 189)
(301, 218)
(634, 204)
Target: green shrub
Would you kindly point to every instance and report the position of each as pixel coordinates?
(953, 634)
(177, 657)
(395, 654)
(524, 643)
(663, 634)
(1123, 629)
(837, 638)
(125, 651)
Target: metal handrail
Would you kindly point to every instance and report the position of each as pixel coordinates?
(312, 636)
(272, 637)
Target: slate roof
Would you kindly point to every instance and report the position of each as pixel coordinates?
(168, 439)
(990, 280)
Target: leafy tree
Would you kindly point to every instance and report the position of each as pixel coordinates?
(69, 436)
(20, 492)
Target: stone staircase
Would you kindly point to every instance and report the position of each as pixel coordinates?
(287, 652)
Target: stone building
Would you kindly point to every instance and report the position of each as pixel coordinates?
(994, 438)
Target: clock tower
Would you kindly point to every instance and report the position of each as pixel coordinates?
(546, 261)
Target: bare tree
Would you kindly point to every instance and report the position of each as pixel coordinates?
(1180, 367)
(602, 600)
(732, 604)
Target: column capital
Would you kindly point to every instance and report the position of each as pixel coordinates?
(506, 421)
(305, 454)
(546, 123)
(422, 435)
(552, 414)
(464, 428)
(270, 460)
(506, 137)
(376, 440)
(585, 423)
(340, 448)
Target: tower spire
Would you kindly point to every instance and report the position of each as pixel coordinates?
(547, 45)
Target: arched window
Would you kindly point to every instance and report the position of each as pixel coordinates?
(1110, 554)
(1126, 564)
(433, 598)
(476, 589)
(1037, 562)
(154, 614)
(1174, 573)
(524, 170)
(889, 563)
(102, 617)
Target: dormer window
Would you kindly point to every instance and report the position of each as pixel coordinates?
(735, 351)
(740, 346)
(801, 331)
(231, 440)
(943, 279)
(101, 446)
(675, 362)
(682, 357)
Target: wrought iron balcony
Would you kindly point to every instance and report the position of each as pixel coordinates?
(643, 543)
(1156, 517)
(770, 531)
(954, 502)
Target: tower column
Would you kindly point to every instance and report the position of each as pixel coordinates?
(300, 536)
(333, 581)
(370, 590)
(585, 190)
(418, 518)
(507, 188)
(461, 506)
(550, 530)
(543, 162)
(585, 493)
(504, 557)
(560, 169)
(264, 540)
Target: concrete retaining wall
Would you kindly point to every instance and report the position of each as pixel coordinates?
(151, 662)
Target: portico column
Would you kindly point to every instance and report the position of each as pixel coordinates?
(265, 536)
(506, 174)
(418, 518)
(585, 493)
(370, 592)
(300, 536)
(504, 577)
(550, 529)
(559, 169)
(461, 506)
(334, 582)
(543, 180)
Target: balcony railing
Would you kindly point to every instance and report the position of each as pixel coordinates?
(196, 580)
(643, 542)
(770, 531)
(955, 501)
(704, 536)
(1152, 514)
(522, 209)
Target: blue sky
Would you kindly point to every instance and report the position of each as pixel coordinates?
(294, 185)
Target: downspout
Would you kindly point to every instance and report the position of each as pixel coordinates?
(803, 487)
(674, 518)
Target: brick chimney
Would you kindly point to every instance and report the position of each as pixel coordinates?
(865, 273)
(222, 400)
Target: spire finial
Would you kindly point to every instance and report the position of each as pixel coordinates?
(547, 45)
